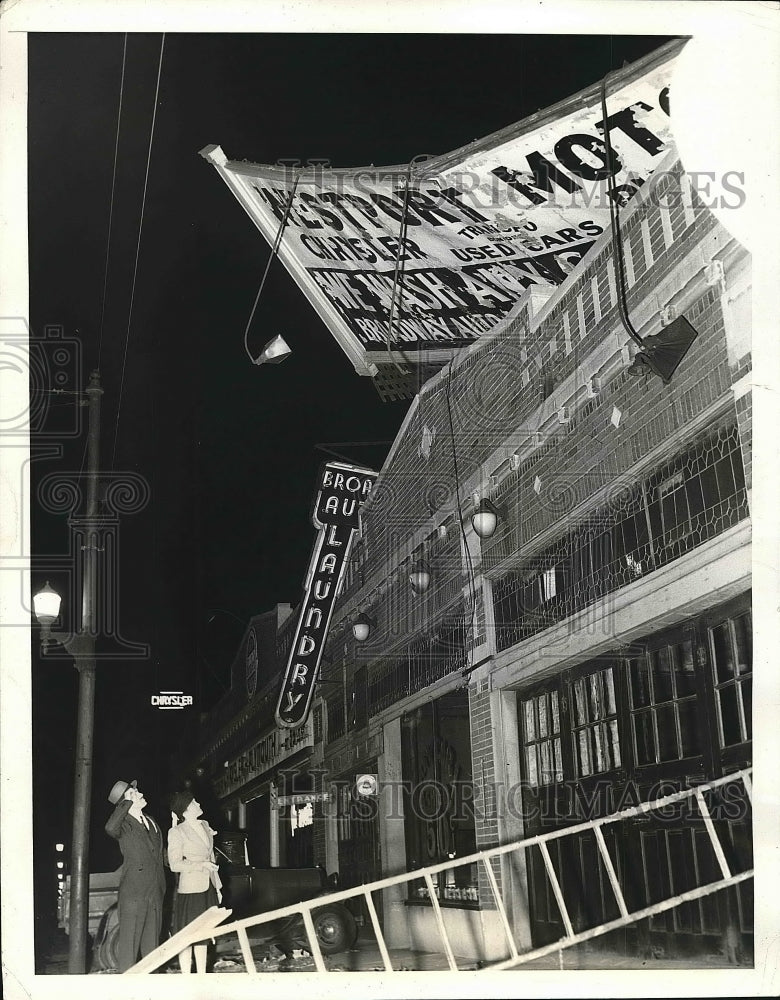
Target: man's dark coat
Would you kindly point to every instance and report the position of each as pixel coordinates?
(141, 884)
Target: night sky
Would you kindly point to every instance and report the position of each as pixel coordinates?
(229, 451)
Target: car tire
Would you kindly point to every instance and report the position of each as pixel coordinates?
(106, 949)
(336, 928)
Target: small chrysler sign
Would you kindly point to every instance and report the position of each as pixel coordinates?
(171, 699)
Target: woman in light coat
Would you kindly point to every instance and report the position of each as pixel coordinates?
(191, 854)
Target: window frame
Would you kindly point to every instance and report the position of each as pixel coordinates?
(736, 681)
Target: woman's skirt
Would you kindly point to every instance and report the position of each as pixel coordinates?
(189, 905)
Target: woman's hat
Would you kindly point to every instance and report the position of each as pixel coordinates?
(119, 789)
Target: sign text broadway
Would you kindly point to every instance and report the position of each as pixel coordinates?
(342, 491)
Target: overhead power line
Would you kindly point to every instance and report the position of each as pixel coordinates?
(138, 250)
(111, 209)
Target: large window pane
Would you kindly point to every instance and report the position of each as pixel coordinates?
(640, 683)
(600, 761)
(436, 763)
(609, 682)
(530, 755)
(644, 737)
(556, 722)
(595, 696)
(546, 763)
(726, 485)
(689, 729)
(542, 706)
(615, 742)
(667, 733)
(558, 759)
(738, 470)
(744, 638)
(709, 487)
(694, 494)
(746, 687)
(580, 702)
(724, 656)
(530, 723)
(685, 668)
(663, 675)
(628, 530)
(729, 716)
(583, 742)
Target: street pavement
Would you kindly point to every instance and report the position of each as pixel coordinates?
(365, 957)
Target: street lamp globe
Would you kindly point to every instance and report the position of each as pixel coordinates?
(361, 627)
(46, 604)
(484, 520)
(420, 576)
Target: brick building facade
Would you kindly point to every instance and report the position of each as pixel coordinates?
(598, 645)
(594, 650)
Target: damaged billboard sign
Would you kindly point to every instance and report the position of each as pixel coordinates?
(408, 263)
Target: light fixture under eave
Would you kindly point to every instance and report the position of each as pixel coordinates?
(274, 352)
(46, 605)
(362, 626)
(662, 353)
(420, 576)
(484, 520)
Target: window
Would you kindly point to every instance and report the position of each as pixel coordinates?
(359, 713)
(317, 723)
(673, 508)
(344, 811)
(731, 647)
(542, 739)
(438, 812)
(335, 718)
(550, 579)
(662, 687)
(439, 652)
(646, 525)
(595, 728)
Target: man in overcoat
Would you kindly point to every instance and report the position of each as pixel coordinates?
(142, 881)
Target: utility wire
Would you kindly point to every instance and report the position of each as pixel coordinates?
(138, 250)
(111, 209)
(400, 266)
(614, 219)
(274, 251)
(471, 574)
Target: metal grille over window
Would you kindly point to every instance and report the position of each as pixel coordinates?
(426, 659)
(648, 524)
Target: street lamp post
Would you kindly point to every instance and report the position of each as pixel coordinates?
(81, 647)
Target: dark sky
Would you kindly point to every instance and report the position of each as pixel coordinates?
(230, 451)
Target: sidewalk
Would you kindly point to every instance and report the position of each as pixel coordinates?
(365, 957)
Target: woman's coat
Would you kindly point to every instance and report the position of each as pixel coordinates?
(190, 846)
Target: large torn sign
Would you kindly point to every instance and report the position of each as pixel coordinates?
(518, 208)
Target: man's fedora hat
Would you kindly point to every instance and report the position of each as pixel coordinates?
(119, 789)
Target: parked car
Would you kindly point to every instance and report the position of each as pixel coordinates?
(246, 891)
